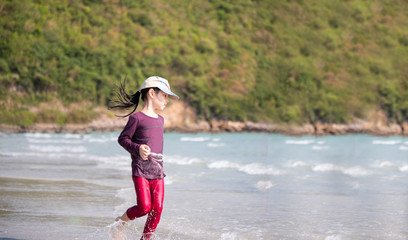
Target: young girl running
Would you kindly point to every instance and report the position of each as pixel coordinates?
(142, 137)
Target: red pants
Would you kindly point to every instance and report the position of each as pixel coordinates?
(150, 195)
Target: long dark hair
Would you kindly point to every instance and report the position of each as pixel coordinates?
(124, 101)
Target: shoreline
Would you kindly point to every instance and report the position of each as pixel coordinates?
(318, 129)
(180, 117)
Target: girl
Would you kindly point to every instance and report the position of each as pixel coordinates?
(142, 137)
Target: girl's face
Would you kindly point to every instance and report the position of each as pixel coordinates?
(160, 100)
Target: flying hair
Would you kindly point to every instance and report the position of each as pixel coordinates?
(124, 101)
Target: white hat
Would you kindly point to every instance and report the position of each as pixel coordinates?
(161, 83)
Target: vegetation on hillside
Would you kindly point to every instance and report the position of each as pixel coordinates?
(292, 61)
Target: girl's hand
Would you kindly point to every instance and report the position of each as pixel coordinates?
(144, 151)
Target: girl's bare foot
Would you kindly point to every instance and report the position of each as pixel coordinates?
(123, 218)
(117, 230)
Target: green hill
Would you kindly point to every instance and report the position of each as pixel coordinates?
(292, 61)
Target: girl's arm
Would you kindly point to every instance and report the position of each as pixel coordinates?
(125, 137)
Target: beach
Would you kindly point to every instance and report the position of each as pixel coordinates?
(218, 186)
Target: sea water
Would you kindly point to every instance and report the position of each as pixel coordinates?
(218, 186)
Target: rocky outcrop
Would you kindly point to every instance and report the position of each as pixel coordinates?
(181, 118)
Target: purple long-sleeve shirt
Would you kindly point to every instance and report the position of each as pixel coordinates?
(142, 129)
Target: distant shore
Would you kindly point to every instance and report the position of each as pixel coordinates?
(179, 117)
(319, 129)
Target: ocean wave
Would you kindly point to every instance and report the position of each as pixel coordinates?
(59, 155)
(127, 196)
(386, 164)
(223, 164)
(48, 135)
(299, 164)
(60, 149)
(214, 145)
(404, 168)
(251, 169)
(356, 171)
(259, 169)
(114, 158)
(299, 142)
(403, 148)
(43, 179)
(73, 135)
(327, 167)
(181, 160)
(264, 185)
(387, 142)
(45, 141)
(194, 139)
(118, 162)
(123, 166)
(319, 148)
(37, 154)
(37, 135)
(102, 139)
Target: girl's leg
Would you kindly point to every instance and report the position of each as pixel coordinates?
(144, 205)
(157, 197)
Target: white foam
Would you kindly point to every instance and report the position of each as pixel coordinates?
(37, 135)
(228, 236)
(319, 148)
(356, 171)
(403, 148)
(299, 164)
(118, 162)
(112, 159)
(73, 135)
(102, 139)
(223, 164)
(182, 160)
(194, 139)
(386, 164)
(333, 237)
(386, 142)
(45, 179)
(327, 167)
(39, 154)
(301, 142)
(128, 197)
(55, 141)
(264, 185)
(129, 230)
(214, 145)
(251, 169)
(117, 230)
(404, 168)
(57, 149)
(259, 169)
